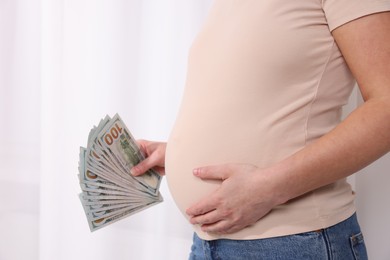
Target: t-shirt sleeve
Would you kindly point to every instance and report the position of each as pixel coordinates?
(339, 12)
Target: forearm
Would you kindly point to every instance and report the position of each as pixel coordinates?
(359, 140)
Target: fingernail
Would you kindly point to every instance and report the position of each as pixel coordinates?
(133, 171)
(196, 171)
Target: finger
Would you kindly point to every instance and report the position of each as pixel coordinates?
(142, 144)
(218, 172)
(205, 205)
(220, 227)
(208, 218)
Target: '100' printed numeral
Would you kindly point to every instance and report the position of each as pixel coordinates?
(113, 134)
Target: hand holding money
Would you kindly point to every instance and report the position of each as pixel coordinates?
(109, 191)
(155, 158)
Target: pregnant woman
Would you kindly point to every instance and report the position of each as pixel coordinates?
(258, 158)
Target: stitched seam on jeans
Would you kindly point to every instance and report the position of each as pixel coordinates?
(356, 240)
(328, 245)
(352, 244)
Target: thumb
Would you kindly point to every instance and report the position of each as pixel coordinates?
(143, 166)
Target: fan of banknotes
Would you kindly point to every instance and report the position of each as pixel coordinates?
(109, 191)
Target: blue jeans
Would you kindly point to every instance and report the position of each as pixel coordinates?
(343, 241)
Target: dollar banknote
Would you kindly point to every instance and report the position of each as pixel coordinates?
(108, 191)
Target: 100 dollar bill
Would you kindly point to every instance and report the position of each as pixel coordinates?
(118, 141)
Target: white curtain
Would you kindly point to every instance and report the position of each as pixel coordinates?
(64, 64)
(19, 128)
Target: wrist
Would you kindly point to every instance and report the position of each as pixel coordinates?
(281, 184)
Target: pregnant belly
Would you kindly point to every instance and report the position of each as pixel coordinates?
(191, 146)
(185, 188)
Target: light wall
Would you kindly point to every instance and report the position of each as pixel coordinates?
(373, 196)
(371, 185)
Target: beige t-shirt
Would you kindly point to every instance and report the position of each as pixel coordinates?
(265, 78)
